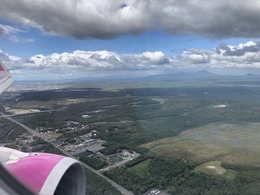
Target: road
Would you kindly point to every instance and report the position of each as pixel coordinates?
(116, 185)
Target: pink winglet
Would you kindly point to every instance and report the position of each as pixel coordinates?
(1, 68)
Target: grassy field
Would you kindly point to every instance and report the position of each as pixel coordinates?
(215, 168)
(229, 143)
(141, 169)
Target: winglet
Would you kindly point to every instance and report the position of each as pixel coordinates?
(5, 78)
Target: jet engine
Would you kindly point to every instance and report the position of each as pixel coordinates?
(43, 173)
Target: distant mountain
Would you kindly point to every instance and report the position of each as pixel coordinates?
(203, 74)
(173, 76)
(250, 75)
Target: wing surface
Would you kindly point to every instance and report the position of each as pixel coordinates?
(5, 78)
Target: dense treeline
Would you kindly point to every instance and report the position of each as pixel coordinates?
(192, 182)
(39, 145)
(137, 160)
(177, 177)
(93, 162)
(96, 185)
(160, 174)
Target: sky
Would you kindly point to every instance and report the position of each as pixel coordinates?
(64, 39)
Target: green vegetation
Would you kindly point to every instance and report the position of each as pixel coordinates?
(137, 160)
(141, 169)
(96, 185)
(94, 162)
(154, 172)
(182, 129)
(178, 177)
(215, 168)
(229, 143)
(9, 131)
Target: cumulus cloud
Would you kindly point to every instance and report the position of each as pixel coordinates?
(248, 53)
(240, 50)
(81, 63)
(100, 60)
(12, 62)
(105, 19)
(240, 56)
(195, 56)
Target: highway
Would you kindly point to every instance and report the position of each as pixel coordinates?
(116, 185)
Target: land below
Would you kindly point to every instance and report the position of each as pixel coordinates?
(191, 136)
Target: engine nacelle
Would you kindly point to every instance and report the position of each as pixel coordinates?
(45, 174)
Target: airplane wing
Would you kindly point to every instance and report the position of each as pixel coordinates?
(37, 173)
(5, 78)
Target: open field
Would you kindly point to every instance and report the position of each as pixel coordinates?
(33, 104)
(229, 143)
(215, 168)
(16, 111)
(141, 169)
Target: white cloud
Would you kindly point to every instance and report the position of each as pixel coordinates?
(105, 19)
(88, 63)
(10, 33)
(244, 54)
(195, 56)
(80, 63)
(6, 30)
(95, 60)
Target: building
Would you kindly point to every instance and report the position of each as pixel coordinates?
(155, 191)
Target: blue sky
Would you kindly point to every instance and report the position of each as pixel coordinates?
(70, 39)
(137, 43)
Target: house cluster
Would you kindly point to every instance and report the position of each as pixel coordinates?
(68, 126)
(75, 144)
